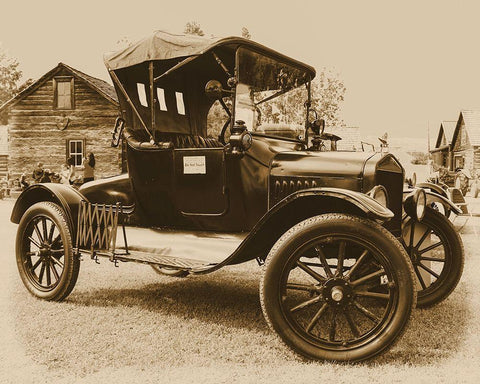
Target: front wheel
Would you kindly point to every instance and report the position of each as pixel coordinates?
(437, 255)
(44, 252)
(338, 287)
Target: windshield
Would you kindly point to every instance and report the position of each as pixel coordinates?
(270, 95)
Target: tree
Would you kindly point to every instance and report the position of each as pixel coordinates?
(9, 78)
(327, 92)
(246, 33)
(193, 28)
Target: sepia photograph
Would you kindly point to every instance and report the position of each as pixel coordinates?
(239, 192)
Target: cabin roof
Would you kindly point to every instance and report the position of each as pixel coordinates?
(101, 86)
(471, 118)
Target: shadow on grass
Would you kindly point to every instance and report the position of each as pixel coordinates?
(224, 302)
(433, 333)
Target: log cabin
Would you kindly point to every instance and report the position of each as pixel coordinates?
(64, 113)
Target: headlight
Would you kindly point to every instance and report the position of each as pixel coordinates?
(415, 204)
(379, 193)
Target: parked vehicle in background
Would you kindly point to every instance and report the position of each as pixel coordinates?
(328, 227)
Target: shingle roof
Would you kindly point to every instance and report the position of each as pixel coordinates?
(102, 87)
(472, 125)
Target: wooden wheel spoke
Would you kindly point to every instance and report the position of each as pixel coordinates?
(50, 234)
(352, 325)
(428, 258)
(42, 271)
(44, 229)
(424, 236)
(55, 251)
(302, 287)
(310, 271)
(35, 266)
(363, 279)
(412, 234)
(49, 278)
(324, 262)
(37, 231)
(35, 242)
(367, 312)
(55, 273)
(430, 247)
(58, 262)
(419, 277)
(341, 257)
(375, 295)
(306, 304)
(333, 327)
(56, 240)
(357, 263)
(429, 270)
(317, 317)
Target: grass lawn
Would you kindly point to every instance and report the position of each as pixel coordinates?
(130, 325)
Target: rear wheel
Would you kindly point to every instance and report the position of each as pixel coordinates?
(44, 252)
(437, 255)
(338, 287)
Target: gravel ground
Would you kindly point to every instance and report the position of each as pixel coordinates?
(129, 325)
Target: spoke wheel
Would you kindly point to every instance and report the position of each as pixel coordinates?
(338, 287)
(437, 255)
(165, 271)
(44, 252)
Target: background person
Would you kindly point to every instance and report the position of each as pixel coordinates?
(88, 165)
(37, 173)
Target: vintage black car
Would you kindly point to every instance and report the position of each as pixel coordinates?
(328, 227)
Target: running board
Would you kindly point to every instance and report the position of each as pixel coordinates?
(146, 257)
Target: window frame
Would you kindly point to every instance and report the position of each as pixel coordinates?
(68, 153)
(63, 79)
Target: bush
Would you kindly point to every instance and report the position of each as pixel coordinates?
(420, 158)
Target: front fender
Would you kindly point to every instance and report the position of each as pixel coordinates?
(300, 206)
(64, 195)
(433, 197)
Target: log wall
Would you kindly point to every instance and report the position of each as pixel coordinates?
(36, 135)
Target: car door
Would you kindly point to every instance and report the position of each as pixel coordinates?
(199, 181)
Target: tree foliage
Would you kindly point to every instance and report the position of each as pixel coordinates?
(327, 92)
(9, 76)
(193, 28)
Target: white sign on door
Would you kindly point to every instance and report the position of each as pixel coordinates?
(194, 165)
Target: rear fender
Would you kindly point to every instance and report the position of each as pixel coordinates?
(298, 207)
(65, 196)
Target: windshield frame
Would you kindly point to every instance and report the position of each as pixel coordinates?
(291, 63)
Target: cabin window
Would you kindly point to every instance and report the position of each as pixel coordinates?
(142, 94)
(63, 92)
(161, 99)
(76, 149)
(180, 105)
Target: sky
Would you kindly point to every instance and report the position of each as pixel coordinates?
(407, 65)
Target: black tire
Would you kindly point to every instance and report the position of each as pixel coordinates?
(44, 252)
(300, 295)
(172, 272)
(446, 258)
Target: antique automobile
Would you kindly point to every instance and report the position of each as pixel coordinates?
(326, 227)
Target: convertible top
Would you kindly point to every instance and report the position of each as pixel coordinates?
(167, 46)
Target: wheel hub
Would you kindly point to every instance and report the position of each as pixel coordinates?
(337, 292)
